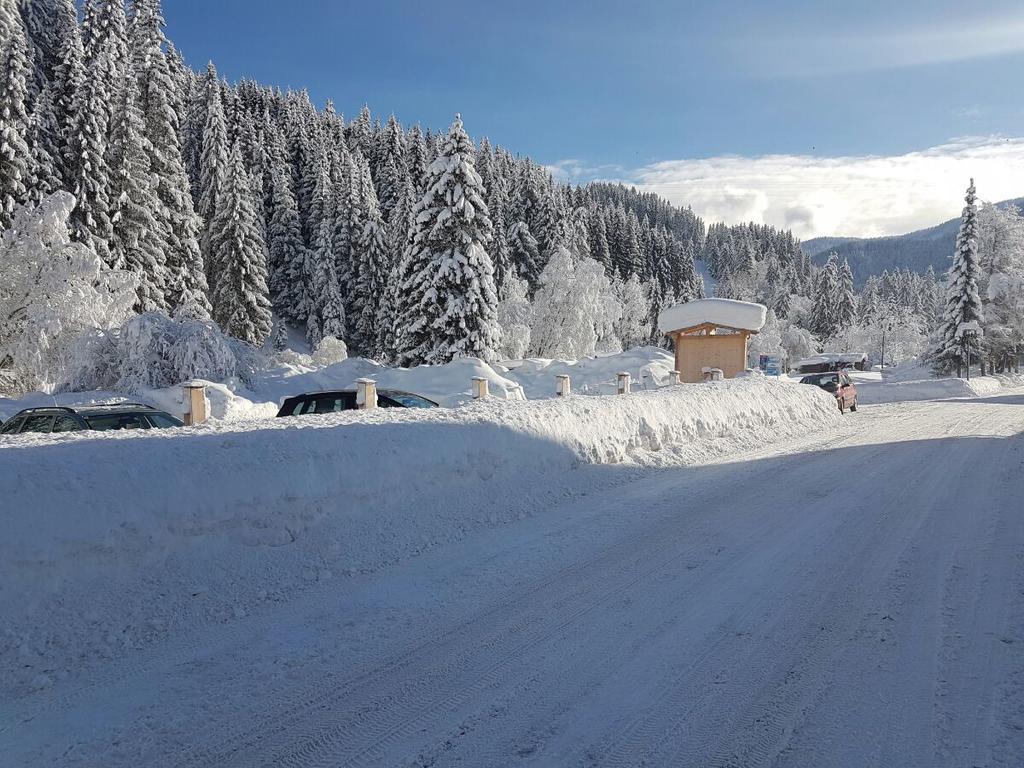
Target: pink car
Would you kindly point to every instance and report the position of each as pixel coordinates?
(839, 384)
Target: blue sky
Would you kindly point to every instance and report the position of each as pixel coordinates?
(643, 91)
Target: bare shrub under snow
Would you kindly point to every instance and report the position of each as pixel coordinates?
(153, 350)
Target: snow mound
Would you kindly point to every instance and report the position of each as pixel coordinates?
(935, 389)
(649, 368)
(114, 540)
(726, 312)
(449, 385)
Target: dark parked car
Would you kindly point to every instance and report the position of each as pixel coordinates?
(839, 384)
(345, 400)
(80, 417)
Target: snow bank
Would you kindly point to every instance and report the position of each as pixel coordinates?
(935, 389)
(112, 540)
(727, 312)
(649, 368)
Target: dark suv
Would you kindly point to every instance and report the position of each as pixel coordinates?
(345, 400)
(55, 418)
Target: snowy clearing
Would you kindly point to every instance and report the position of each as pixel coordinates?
(795, 604)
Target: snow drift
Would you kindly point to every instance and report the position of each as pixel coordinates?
(874, 392)
(204, 524)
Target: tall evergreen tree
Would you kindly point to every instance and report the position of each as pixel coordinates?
(15, 155)
(241, 305)
(288, 256)
(823, 311)
(176, 217)
(846, 299)
(135, 244)
(961, 321)
(213, 161)
(370, 252)
(450, 302)
(66, 80)
(326, 309)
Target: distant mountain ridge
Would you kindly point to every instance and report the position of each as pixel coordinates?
(915, 251)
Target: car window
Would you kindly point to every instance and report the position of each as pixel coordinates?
(163, 421)
(64, 423)
(117, 421)
(343, 401)
(11, 426)
(404, 400)
(39, 422)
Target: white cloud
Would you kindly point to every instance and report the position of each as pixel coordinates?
(862, 196)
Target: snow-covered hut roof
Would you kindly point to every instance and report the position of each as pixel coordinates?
(728, 313)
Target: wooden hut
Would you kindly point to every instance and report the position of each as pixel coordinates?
(711, 333)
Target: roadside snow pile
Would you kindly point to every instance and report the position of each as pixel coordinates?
(649, 368)
(873, 392)
(449, 385)
(113, 540)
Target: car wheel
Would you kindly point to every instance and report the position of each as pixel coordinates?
(854, 406)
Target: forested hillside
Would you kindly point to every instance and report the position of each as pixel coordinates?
(247, 210)
(917, 251)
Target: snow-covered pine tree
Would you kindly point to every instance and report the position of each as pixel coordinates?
(241, 305)
(370, 252)
(16, 170)
(846, 299)
(823, 312)
(66, 80)
(288, 255)
(326, 309)
(451, 301)
(178, 223)
(399, 230)
(599, 240)
(417, 157)
(135, 243)
(44, 144)
(37, 16)
(961, 322)
(90, 220)
(281, 337)
(524, 254)
(213, 160)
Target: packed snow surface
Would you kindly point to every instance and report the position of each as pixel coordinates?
(95, 524)
(794, 603)
(728, 312)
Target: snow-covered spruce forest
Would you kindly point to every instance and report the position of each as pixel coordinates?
(152, 212)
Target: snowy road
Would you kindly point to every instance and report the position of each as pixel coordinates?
(849, 600)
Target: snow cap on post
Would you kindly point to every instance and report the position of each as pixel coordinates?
(728, 313)
(366, 394)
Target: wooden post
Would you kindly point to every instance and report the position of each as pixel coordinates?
(673, 377)
(562, 385)
(366, 394)
(624, 381)
(195, 403)
(480, 389)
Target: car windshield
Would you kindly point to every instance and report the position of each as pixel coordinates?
(826, 380)
(408, 400)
